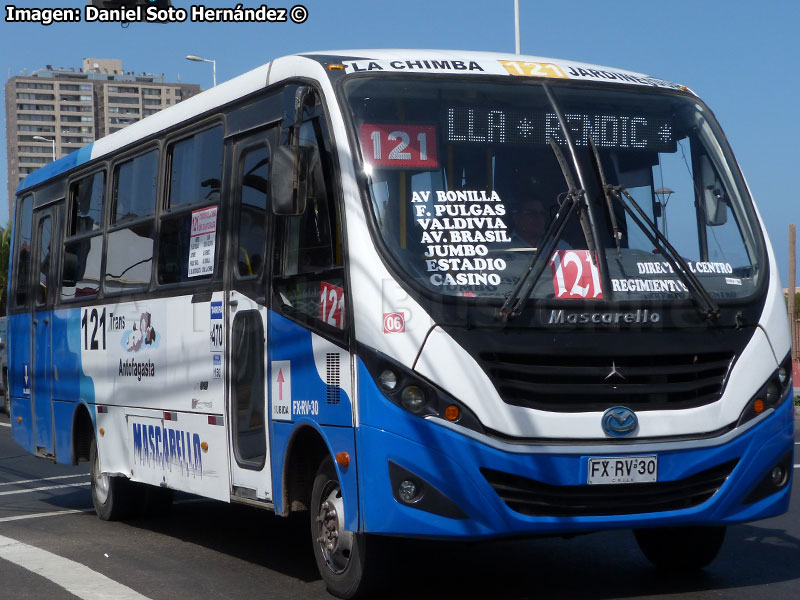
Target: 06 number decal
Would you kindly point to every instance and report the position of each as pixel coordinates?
(92, 324)
(404, 146)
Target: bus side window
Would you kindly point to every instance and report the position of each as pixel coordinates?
(309, 270)
(195, 180)
(83, 249)
(129, 255)
(23, 251)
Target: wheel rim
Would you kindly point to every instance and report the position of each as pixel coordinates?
(334, 540)
(101, 481)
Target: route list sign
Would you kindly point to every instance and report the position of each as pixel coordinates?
(203, 242)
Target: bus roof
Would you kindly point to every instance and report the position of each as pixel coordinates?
(458, 62)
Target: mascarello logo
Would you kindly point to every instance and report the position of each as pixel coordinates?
(143, 334)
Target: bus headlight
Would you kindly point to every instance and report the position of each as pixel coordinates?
(774, 392)
(413, 399)
(388, 380)
(413, 392)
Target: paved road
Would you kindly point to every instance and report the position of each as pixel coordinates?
(208, 550)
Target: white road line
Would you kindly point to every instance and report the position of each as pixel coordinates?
(43, 489)
(43, 479)
(74, 577)
(5, 425)
(46, 514)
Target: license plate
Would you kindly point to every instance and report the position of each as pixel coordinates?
(624, 469)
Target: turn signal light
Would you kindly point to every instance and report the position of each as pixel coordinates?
(452, 413)
(102, 431)
(204, 446)
(343, 459)
(758, 406)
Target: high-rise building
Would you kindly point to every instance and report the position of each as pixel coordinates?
(56, 111)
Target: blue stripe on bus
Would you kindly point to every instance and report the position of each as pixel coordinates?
(62, 165)
(451, 463)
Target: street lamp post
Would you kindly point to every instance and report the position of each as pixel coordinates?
(40, 138)
(194, 58)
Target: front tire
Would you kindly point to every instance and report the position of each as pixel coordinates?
(113, 497)
(681, 548)
(340, 554)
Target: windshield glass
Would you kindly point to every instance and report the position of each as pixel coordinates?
(463, 184)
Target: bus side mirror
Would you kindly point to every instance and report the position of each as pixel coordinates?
(289, 180)
(715, 206)
(714, 200)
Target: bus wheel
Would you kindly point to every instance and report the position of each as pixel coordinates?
(681, 548)
(111, 496)
(340, 553)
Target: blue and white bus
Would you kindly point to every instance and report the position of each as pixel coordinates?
(413, 293)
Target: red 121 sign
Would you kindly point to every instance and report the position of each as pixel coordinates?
(403, 146)
(575, 275)
(331, 304)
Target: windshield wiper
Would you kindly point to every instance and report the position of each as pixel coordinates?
(601, 177)
(516, 300)
(702, 299)
(576, 199)
(704, 302)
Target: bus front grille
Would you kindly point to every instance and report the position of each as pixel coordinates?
(534, 498)
(572, 383)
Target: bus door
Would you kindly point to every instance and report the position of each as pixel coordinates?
(246, 287)
(44, 228)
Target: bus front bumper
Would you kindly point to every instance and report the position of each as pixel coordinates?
(468, 487)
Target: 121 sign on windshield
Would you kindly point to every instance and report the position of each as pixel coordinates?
(403, 146)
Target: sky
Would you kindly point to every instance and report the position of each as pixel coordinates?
(740, 57)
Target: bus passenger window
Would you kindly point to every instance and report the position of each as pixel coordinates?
(135, 184)
(129, 258)
(254, 179)
(195, 179)
(309, 271)
(86, 204)
(80, 274)
(23, 250)
(174, 249)
(196, 168)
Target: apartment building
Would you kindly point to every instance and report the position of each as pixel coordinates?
(53, 112)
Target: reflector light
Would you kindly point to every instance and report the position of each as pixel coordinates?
(452, 413)
(204, 446)
(343, 459)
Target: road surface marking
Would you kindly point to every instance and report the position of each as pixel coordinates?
(46, 514)
(43, 479)
(5, 425)
(44, 488)
(74, 577)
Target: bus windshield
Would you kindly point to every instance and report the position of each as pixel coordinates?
(463, 184)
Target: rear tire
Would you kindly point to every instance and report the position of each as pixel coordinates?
(114, 497)
(341, 555)
(681, 548)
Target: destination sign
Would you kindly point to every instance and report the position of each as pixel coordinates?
(623, 131)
